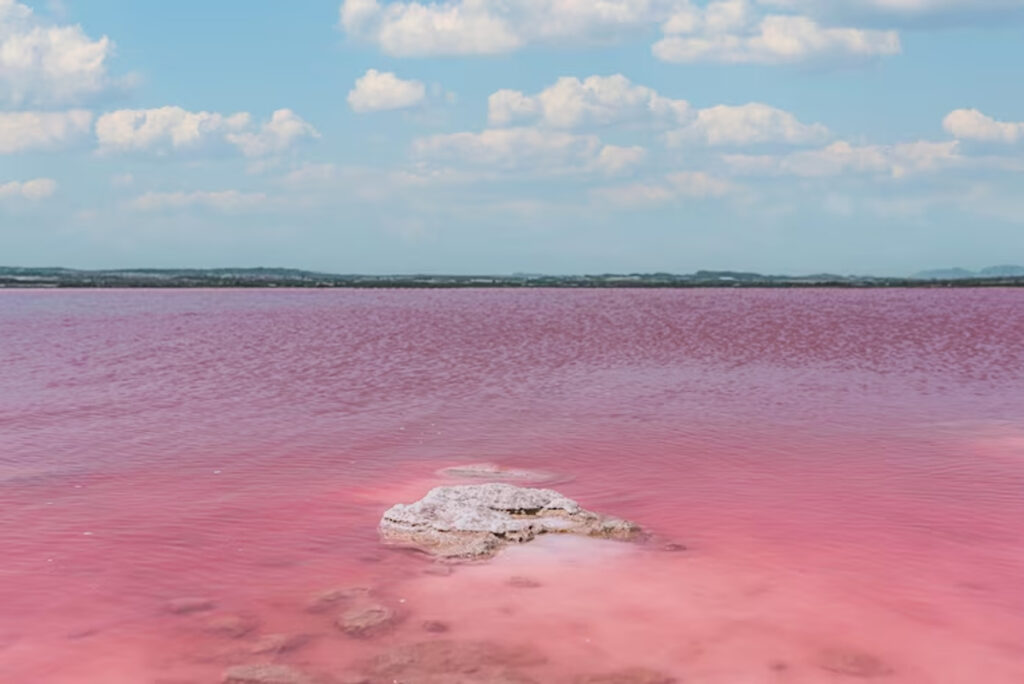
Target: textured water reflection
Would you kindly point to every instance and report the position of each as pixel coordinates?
(182, 473)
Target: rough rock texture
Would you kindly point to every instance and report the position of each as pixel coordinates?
(366, 620)
(265, 674)
(276, 644)
(452, 662)
(633, 675)
(476, 521)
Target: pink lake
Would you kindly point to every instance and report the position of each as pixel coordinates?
(844, 468)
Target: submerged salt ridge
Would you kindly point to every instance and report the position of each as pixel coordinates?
(843, 468)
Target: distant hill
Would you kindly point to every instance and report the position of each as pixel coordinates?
(1005, 271)
(37, 277)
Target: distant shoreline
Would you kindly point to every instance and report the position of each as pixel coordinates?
(30, 278)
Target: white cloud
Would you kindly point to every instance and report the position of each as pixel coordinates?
(34, 190)
(596, 100)
(932, 6)
(971, 124)
(730, 31)
(163, 128)
(172, 128)
(378, 91)
(900, 9)
(841, 158)
(510, 148)
(723, 30)
(277, 135)
(745, 125)
(673, 187)
(533, 150)
(228, 201)
(508, 106)
(465, 27)
(33, 130)
(411, 28)
(614, 160)
(600, 100)
(40, 62)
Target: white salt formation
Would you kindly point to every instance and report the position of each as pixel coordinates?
(476, 521)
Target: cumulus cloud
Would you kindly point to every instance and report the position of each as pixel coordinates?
(167, 129)
(613, 159)
(971, 124)
(46, 63)
(33, 190)
(283, 130)
(841, 158)
(527, 150)
(723, 30)
(465, 27)
(745, 125)
(596, 100)
(21, 131)
(904, 11)
(228, 201)
(673, 187)
(730, 31)
(163, 128)
(379, 91)
(414, 29)
(601, 100)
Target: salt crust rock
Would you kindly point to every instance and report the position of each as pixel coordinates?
(469, 522)
(366, 620)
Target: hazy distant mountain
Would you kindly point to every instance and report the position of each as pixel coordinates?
(945, 274)
(1005, 271)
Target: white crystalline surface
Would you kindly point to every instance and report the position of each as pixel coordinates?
(475, 521)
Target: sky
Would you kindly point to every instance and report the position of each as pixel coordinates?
(500, 136)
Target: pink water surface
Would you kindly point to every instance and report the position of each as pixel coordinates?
(845, 468)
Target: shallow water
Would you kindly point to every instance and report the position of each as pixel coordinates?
(846, 470)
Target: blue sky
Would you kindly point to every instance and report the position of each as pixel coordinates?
(865, 136)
